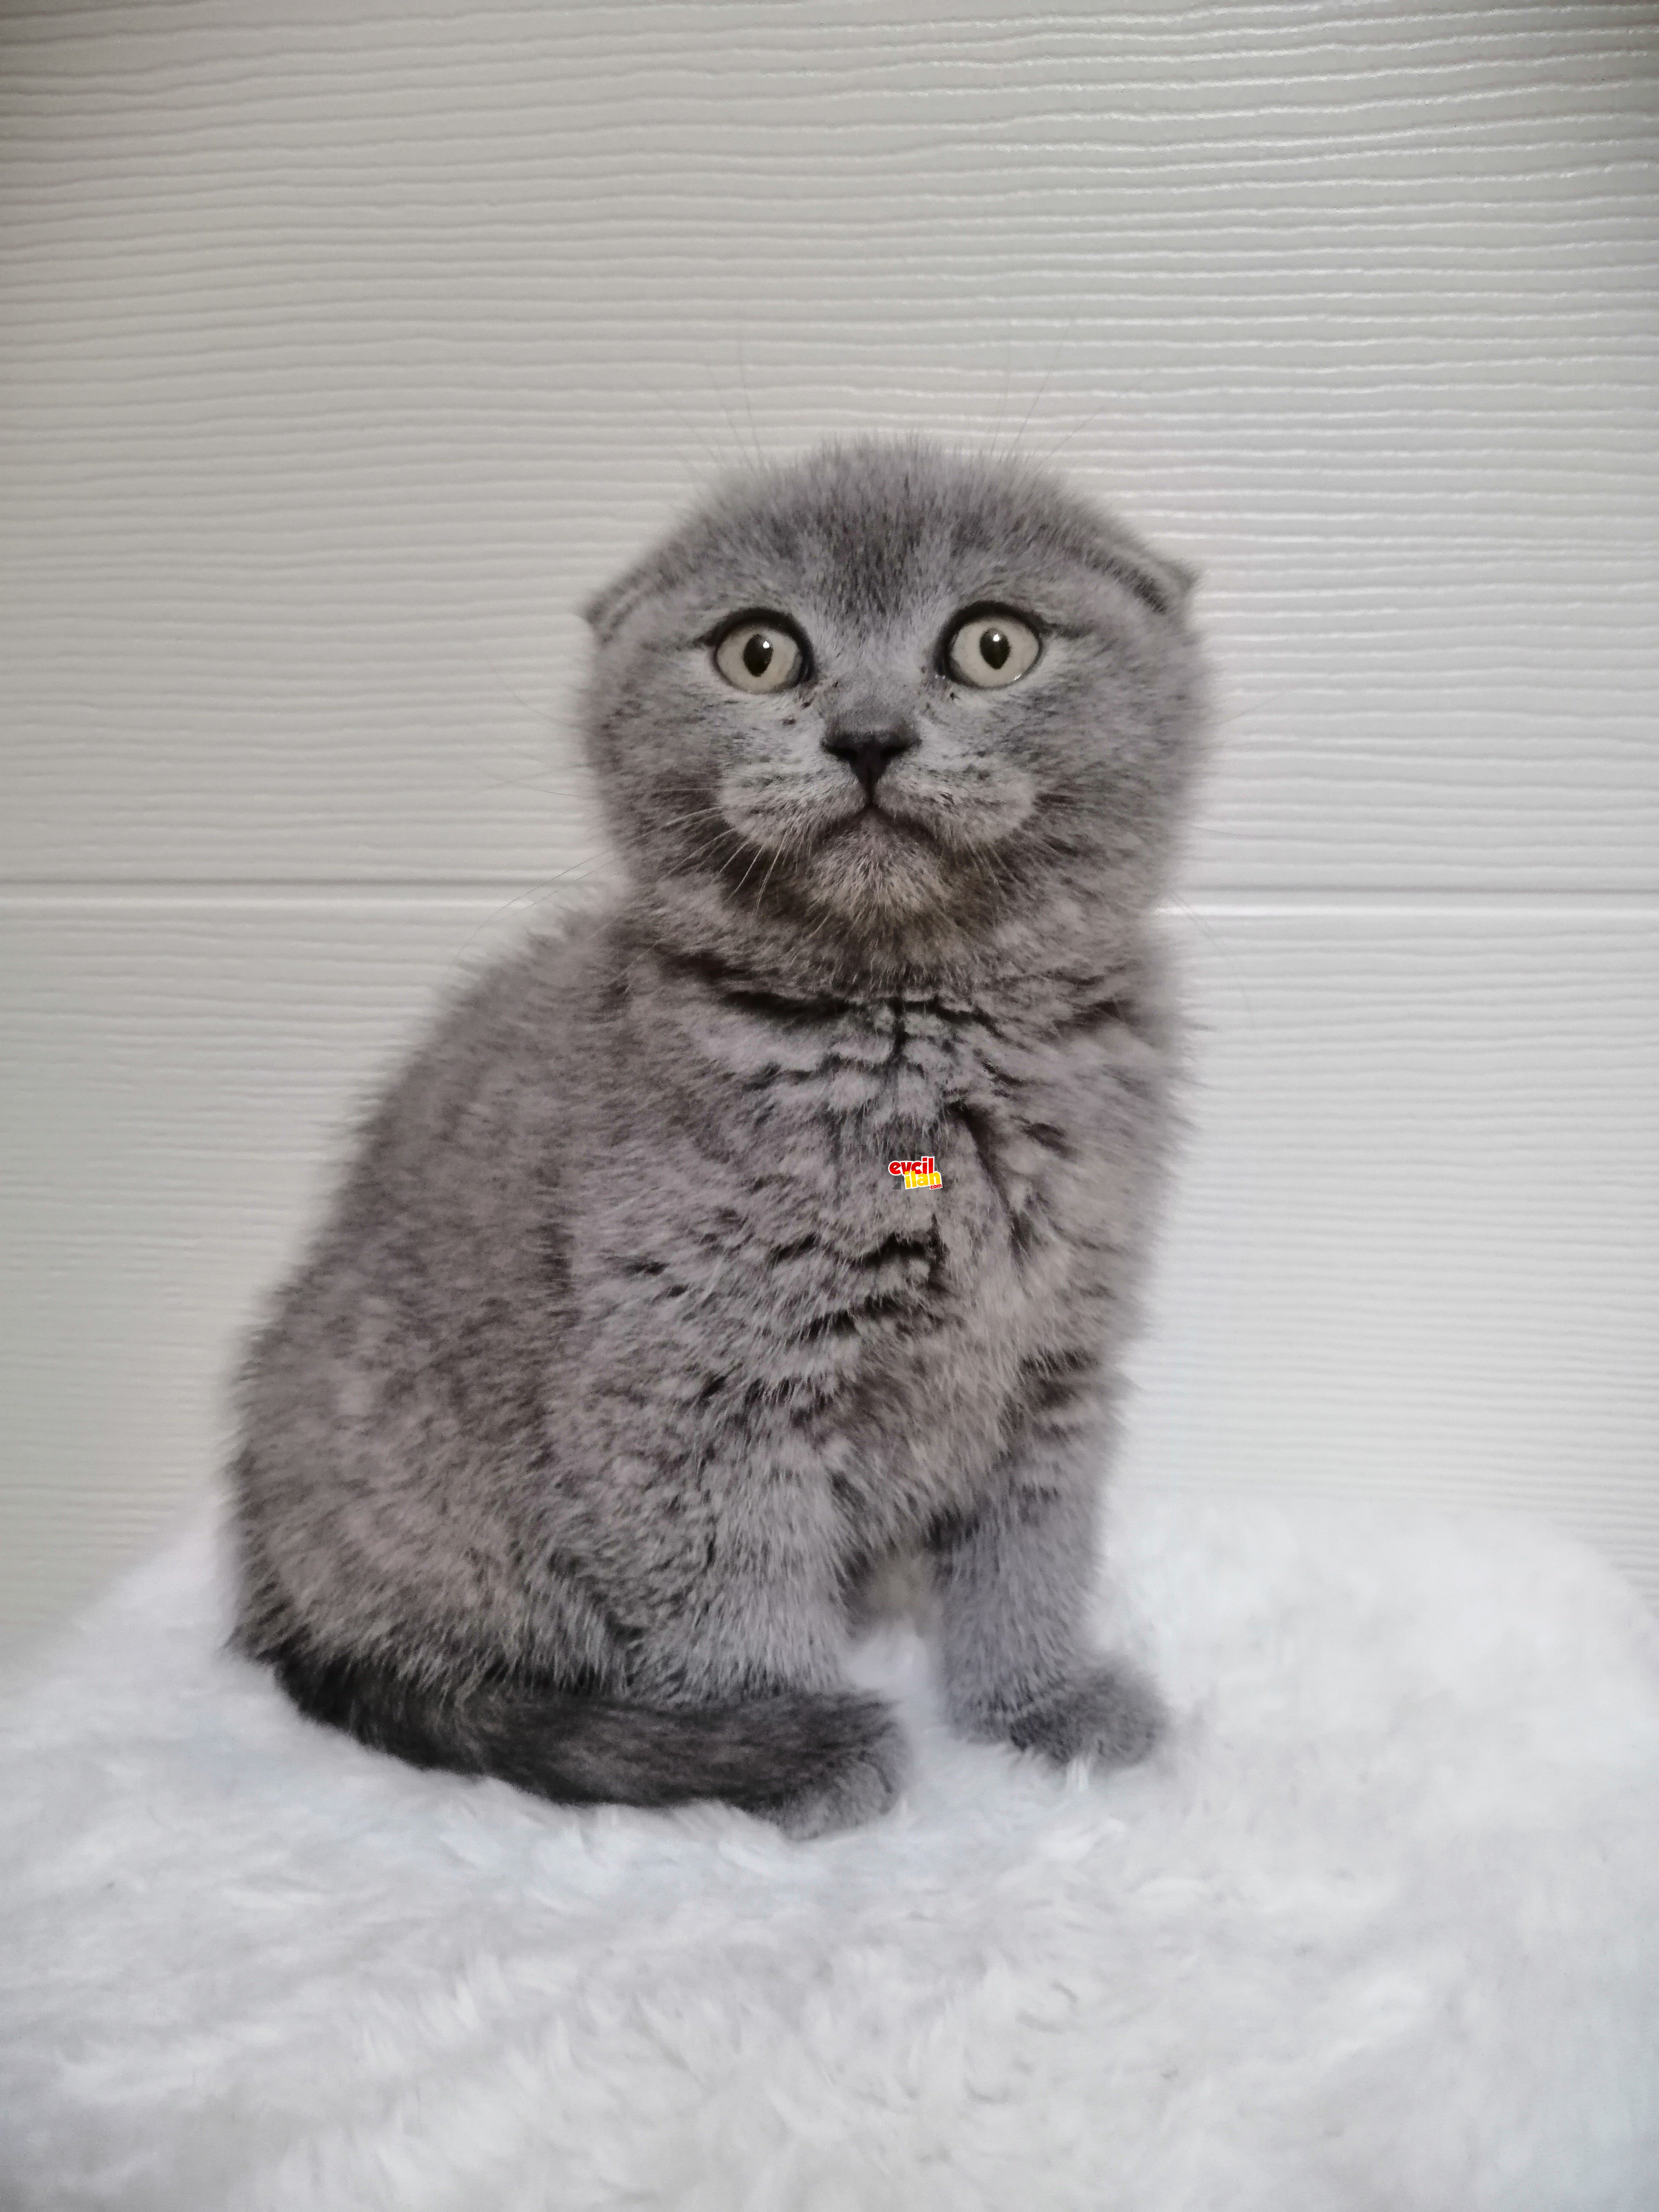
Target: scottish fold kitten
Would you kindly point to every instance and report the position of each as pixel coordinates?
(629, 1352)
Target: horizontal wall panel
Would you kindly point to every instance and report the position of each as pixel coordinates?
(1414, 1248)
(1415, 1251)
(345, 349)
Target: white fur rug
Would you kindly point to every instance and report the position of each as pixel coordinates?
(1379, 1931)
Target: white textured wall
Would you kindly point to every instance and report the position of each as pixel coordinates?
(344, 346)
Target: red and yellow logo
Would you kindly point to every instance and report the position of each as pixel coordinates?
(919, 1175)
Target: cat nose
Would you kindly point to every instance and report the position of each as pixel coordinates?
(870, 753)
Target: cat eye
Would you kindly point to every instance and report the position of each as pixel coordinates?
(760, 656)
(992, 648)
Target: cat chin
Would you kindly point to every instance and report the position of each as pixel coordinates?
(919, 859)
(887, 836)
(898, 891)
(874, 867)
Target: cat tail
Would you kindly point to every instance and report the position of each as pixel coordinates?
(811, 1761)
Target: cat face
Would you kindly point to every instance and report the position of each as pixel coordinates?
(895, 691)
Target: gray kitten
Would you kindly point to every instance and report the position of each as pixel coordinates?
(627, 1355)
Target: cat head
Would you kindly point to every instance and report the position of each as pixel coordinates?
(897, 699)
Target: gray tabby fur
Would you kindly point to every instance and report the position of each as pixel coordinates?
(622, 1363)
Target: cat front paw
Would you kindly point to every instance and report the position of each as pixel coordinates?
(1111, 1715)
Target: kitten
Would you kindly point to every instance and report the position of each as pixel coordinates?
(626, 1357)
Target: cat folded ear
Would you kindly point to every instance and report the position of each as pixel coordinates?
(610, 606)
(1163, 585)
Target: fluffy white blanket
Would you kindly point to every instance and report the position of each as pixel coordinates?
(1378, 1932)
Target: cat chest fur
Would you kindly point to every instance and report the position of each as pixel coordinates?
(795, 1308)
